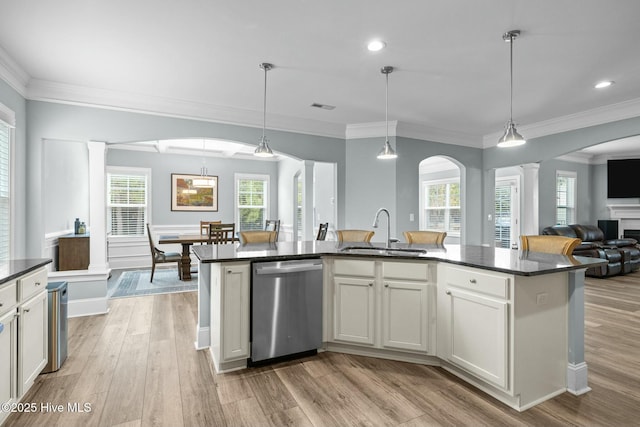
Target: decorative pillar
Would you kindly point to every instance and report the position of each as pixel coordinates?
(97, 207)
(577, 370)
(529, 204)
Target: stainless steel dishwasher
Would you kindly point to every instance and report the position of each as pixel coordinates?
(286, 308)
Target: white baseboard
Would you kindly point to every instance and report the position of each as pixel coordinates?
(203, 337)
(87, 307)
(577, 381)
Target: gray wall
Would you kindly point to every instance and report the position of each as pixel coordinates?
(66, 184)
(162, 165)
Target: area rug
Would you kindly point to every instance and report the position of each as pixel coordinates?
(136, 283)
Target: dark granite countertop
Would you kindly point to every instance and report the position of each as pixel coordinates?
(15, 268)
(496, 259)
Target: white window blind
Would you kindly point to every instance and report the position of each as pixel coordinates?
(565, 197)
(502, 211)
(127, 203)
(251, 201)
(5, 191)
(442, 206)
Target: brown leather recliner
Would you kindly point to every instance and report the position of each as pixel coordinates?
(622, 254)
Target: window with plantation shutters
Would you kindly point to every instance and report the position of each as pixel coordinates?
(565, 197)
(5, 190)
(127, 201)
(251, 201)
(441, 211)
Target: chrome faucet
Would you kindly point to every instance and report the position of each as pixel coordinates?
(375, 224)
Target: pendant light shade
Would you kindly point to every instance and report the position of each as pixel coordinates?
(511, 137)
(387, 151)
(263, 149)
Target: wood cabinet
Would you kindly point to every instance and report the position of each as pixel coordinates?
(385, 305)
(73, 252)
(24, 335)
(230, 317)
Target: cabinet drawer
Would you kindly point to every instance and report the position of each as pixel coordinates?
(406, 271)
(479, 281)
(8, 297)
(350, 267)
(32, 284)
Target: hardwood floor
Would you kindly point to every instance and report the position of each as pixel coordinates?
(137, 366)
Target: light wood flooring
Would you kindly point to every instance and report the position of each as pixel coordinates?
(137, 366)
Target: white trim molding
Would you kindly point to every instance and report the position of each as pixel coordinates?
(577, 379)
(624, 211)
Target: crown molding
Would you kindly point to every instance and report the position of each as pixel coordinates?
(41, 90)
(13, 74)
(410, 130)
(584, 119)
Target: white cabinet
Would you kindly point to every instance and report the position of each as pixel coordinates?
(473, 322)
(32, 340)
(8, 355)
(230, 315)
(382, 304)
(24, 335)
(354, 310)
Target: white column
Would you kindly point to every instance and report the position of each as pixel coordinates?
(529, 199)
(577, 372)
(97, 207)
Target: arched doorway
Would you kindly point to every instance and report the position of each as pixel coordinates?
(441, 196)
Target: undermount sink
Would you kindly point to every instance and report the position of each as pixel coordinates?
(382, 251)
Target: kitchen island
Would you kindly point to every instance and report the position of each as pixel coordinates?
(508, 322)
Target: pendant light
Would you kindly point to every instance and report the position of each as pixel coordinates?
(511, 137)
(263, 149)
(204, 180)
(387, 151)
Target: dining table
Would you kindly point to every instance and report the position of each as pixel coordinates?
(186, 240)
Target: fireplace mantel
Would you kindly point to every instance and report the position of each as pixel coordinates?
(624, 211)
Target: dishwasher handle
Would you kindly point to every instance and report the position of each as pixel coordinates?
(288, 268)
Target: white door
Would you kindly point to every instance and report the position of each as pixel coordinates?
(235, 317)
(32, 340)
(507, 212)
(354, 310)
(8, 353)
(479, 335)
(325, 207)
(405, 315)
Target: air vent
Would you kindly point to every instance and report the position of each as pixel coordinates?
(323, 106)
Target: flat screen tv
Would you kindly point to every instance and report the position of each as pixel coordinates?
(623, 178)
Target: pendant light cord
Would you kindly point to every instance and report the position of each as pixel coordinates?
(386, 104)
(511, 75)
(264, 106)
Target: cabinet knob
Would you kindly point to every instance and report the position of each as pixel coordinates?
(386, 285)
(1, 304)
(228, 271)
(448, 292)
(472, 280)
(26, 310)
(370, 284)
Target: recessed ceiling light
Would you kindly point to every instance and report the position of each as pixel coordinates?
(376, 45)
(603, 84)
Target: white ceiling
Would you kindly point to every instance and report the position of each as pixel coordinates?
(200, 59)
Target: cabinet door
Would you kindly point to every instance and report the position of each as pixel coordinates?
(405, 315)
(479, 335)
(8, 354)
(354, 310)
(235, 316)
(32, 340)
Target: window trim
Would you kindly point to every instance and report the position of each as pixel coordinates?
(127, 170)
(8, 119)
(253, 176)
(574, 175)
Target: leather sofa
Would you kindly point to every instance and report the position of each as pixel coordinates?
(623, 254)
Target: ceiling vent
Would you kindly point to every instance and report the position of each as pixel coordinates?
(323, 106)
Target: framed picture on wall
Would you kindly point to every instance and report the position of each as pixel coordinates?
(194, 193)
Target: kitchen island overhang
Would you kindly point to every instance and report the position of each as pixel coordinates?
(522, 267)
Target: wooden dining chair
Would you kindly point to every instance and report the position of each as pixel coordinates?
(322, 231)
(549, 244)
(220, 234)
(258, 237)
(204, 226)
(355, 235)
(272, 225)
(159, 257)
(426, 237)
